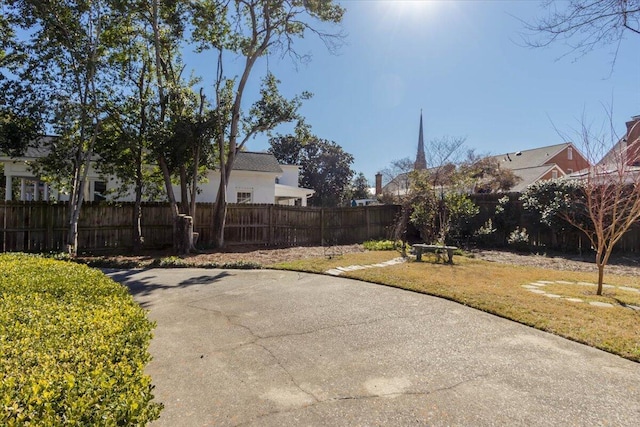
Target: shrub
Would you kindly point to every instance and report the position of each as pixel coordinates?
(519, 239)
(74, 347)
(381, 245)
(484, 235)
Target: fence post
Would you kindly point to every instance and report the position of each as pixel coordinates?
(321, 226)
(49, 232)
(368, 220)
(271, 224)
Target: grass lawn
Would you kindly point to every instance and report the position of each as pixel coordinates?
(500, 289)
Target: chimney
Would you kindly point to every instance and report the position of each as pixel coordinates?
(378, 184)
(632, 139)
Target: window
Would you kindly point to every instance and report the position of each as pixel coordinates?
(99, 191)
(569, 171)
(243, 197)
(570, 153)
(554, 174)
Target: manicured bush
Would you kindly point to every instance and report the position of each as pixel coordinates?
(73, 347)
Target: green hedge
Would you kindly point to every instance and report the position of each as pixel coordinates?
(73, 347)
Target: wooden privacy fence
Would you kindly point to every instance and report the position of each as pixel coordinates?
(540, 234)
(41, 227)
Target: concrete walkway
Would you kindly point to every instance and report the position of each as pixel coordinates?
(274, 348)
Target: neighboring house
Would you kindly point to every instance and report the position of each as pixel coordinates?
(539, 164)
(255, 178)
(622, 162)
(398, 186)
(627, 148)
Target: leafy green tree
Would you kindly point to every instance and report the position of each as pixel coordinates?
(439, 204)
(326, 168)
(359, 187)
(546, 202)
(252, 29)
(287, 148)
(66, 51)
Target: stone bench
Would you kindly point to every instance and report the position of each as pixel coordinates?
(437, 249)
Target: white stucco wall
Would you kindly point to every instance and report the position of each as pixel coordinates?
(290, 175)
(260, 184)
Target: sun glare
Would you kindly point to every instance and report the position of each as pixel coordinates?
(413, 7)
(409, 10)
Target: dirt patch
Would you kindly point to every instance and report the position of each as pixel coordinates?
(621, 265)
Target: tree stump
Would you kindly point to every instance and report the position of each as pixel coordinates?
(183, 236)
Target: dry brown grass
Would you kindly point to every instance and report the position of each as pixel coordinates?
(498, 289)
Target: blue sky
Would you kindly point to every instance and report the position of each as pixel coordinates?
(465, 65)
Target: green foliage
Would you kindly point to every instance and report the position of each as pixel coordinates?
(74, 347)
(440, 212)
(326, 167)
(358, 188)
(548, 201)
(485, 234)
(381, 245)
(177, 262)
(459, 210)
(519, 239)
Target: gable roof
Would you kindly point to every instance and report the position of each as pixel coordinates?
(531, 158)
(256, 162)
(530, 175)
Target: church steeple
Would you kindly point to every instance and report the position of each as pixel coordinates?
(421, 160)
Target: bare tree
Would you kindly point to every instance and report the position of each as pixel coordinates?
(607, 202)
(586, 24)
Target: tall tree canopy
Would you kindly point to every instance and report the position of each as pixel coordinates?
(325, 166)
(66, 52)
(252, 29)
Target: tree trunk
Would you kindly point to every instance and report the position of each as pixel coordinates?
(184, 191)
(600, 263)
(183, 236)
(600, 278)
(220, 214)
(138, 239)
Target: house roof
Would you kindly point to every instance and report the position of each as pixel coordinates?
(256, 162)
(33, 151)
(530, 158)
(398, 186)
(531, 175)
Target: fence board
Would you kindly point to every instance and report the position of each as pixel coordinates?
(41, 226)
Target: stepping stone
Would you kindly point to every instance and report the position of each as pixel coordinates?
(531, 286)
(574, 299)
(552, 296)
(601, 304)
(537, 284)
(334, 272)
(564, 282)
(586, 284)
(626, 288)
(608, 286)
(546, 282)
(537, 291)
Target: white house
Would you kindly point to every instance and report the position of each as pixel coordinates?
(255, 178)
